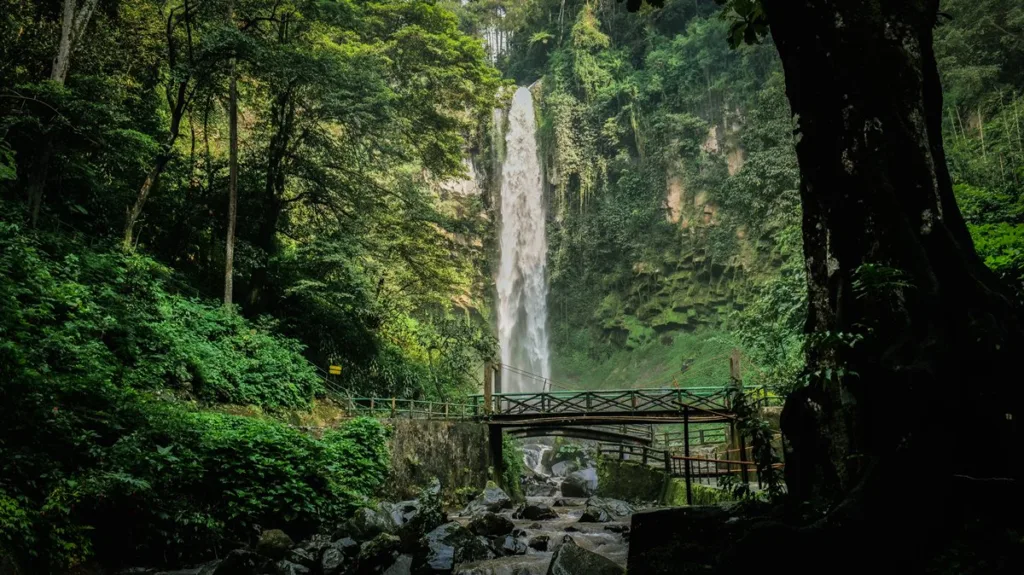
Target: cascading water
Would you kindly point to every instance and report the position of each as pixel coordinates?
(522, 285)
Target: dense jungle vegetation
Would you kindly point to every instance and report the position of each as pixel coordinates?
(204, 203)
(674, 220)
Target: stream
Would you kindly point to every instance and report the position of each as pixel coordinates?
(543, 537)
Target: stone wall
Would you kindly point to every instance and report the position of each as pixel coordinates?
(629, 481)
(456, 453)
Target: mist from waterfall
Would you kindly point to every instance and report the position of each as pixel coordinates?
(522, 282)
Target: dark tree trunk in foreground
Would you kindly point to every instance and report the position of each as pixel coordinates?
(229, 253)
(936, 396)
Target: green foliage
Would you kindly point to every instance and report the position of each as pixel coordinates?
(97, 458)
(675, 494)
(71, 312)
(760, 434)
(512, 467)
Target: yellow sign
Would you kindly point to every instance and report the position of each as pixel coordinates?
(335, 370)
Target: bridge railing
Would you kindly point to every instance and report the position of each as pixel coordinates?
(672, 440)
(701, 468)
(392, 407)
(616, 400)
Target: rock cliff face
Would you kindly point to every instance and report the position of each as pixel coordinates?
(455, 452)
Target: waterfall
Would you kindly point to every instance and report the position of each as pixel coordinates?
(522, 285)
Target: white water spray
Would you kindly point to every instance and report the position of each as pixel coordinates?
(522, 285)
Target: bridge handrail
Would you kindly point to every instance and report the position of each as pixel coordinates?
(395, 407)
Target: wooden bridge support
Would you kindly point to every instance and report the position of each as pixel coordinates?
(737, 443)
(686, 453)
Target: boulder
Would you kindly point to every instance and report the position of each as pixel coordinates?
(563, 468)
(401, 566)
(536, 512)
(333, 561)
(274, 544)
(367, 523)
(601, 510)
(449, 544)
(315, 545)
(303, 557)
(412, 519)
(571, 559)
(241, 562)
(490, 524)
(511, 545)
(539, 542)
(378, 552)
(285, 567)
(492, 499)
(582, 483)
(540, 490)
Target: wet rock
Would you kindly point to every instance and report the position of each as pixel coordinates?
(536, 526)
(512, 544)
(332, 562)
(401, 566)
(541, 490)
(571, 559)
(564, 468)
(285, 567)
(601, 510)
(536, 512)
(378, 552)
(315, 545)
(274, 544)
(412, 519)
(302, 556)
(571, 529)
(493, 499)
(490, 524)
(452, 543)
(582, 483)
(348, 546)
(367, 523)
(540, 542)
(620, 529)
(241, 562)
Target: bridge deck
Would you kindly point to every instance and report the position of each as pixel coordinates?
(662, 405)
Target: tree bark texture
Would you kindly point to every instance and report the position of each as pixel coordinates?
(928, 390)
(178, 98)
(229, 256)
(73, 24)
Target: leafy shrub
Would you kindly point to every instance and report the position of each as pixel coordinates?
(512, 467)
(114, 317)
(95, 461)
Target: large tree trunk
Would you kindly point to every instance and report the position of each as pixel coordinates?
(178, 106)
(890, 267)
(229, 256)
(283, 118)
(73, 24)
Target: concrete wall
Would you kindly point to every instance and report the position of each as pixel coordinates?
(629, 481)
(456, 453)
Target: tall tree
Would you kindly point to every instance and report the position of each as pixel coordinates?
(229, 256)
(74, 21)
(179, 91)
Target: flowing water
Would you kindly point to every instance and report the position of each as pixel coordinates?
(605, 539)
(522, 282)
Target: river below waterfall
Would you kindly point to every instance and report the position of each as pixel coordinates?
(609, 539)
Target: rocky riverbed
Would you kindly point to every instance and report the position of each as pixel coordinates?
(548, 534)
